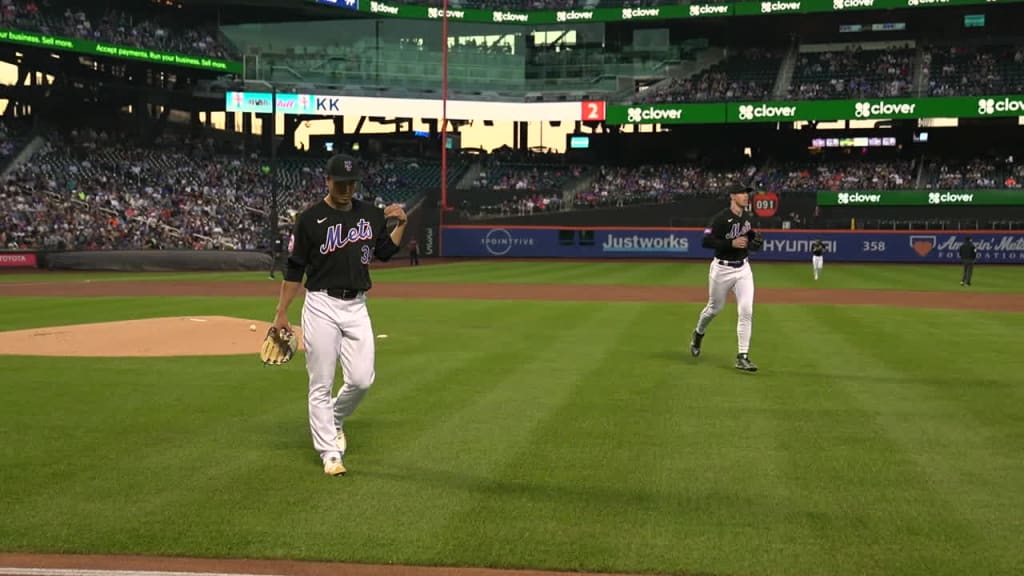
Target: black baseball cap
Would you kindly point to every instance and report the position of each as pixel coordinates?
(344, 168)
(740, 189)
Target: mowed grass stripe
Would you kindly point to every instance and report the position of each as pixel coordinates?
(459, 459)
(959, 419)
(551, 475)
(988, 278)
(633, 476)
(430, 373)
(125, 450)
(852, 490)
(867, 488)
(543, 272)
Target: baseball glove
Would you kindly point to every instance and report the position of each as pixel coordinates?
(279, 346)
(755, 241)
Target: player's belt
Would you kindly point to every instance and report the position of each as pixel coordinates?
(732, 263)
(343, 294)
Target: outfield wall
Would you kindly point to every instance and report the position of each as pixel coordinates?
(685, 243)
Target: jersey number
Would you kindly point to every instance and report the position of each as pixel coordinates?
(366, 255)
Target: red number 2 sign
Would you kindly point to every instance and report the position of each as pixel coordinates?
(593, 110)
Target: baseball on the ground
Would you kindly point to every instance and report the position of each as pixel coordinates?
(252, 327)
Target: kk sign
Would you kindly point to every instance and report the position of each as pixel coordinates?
(329, 105)
(264, 103)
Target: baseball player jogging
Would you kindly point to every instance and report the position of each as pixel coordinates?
(817, 257)
(333, 243)
(731, 235)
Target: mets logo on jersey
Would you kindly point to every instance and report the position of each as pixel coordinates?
(738, 229)
(337, 238)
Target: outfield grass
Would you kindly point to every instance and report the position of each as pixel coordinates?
(542, 435)
(767, 274)
(992, 278)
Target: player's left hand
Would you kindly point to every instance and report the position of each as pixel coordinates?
(395, 211)
(756, 242)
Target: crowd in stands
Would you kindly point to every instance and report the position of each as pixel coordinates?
(653, 184)
(496, 175)
(619, 186)
(157, 31)
(11, 139)
(974, 71)
(524, 205)
(976, 173)
(108, 194)
(93, 190)
(854, 73)
(749, 74)
(839, 175)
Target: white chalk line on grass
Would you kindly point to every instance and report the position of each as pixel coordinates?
(76, 572)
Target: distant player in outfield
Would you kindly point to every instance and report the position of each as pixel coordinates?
(817, 257)
(968, 254)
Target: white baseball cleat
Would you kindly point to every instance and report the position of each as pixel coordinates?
(334, 467)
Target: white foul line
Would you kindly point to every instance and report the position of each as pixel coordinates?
(76, 572)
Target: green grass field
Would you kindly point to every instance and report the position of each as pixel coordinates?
(988, 278)
(574, 436)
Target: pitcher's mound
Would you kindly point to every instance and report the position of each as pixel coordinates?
(182, 336)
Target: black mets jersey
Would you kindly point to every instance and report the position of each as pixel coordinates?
(818, 248)
(333, 248)
(722, 230)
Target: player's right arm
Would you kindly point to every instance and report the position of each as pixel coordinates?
(298, 257)
(714, 238)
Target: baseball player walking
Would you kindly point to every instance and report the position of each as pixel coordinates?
(332, 245)
(817, 257)
(731, 235)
